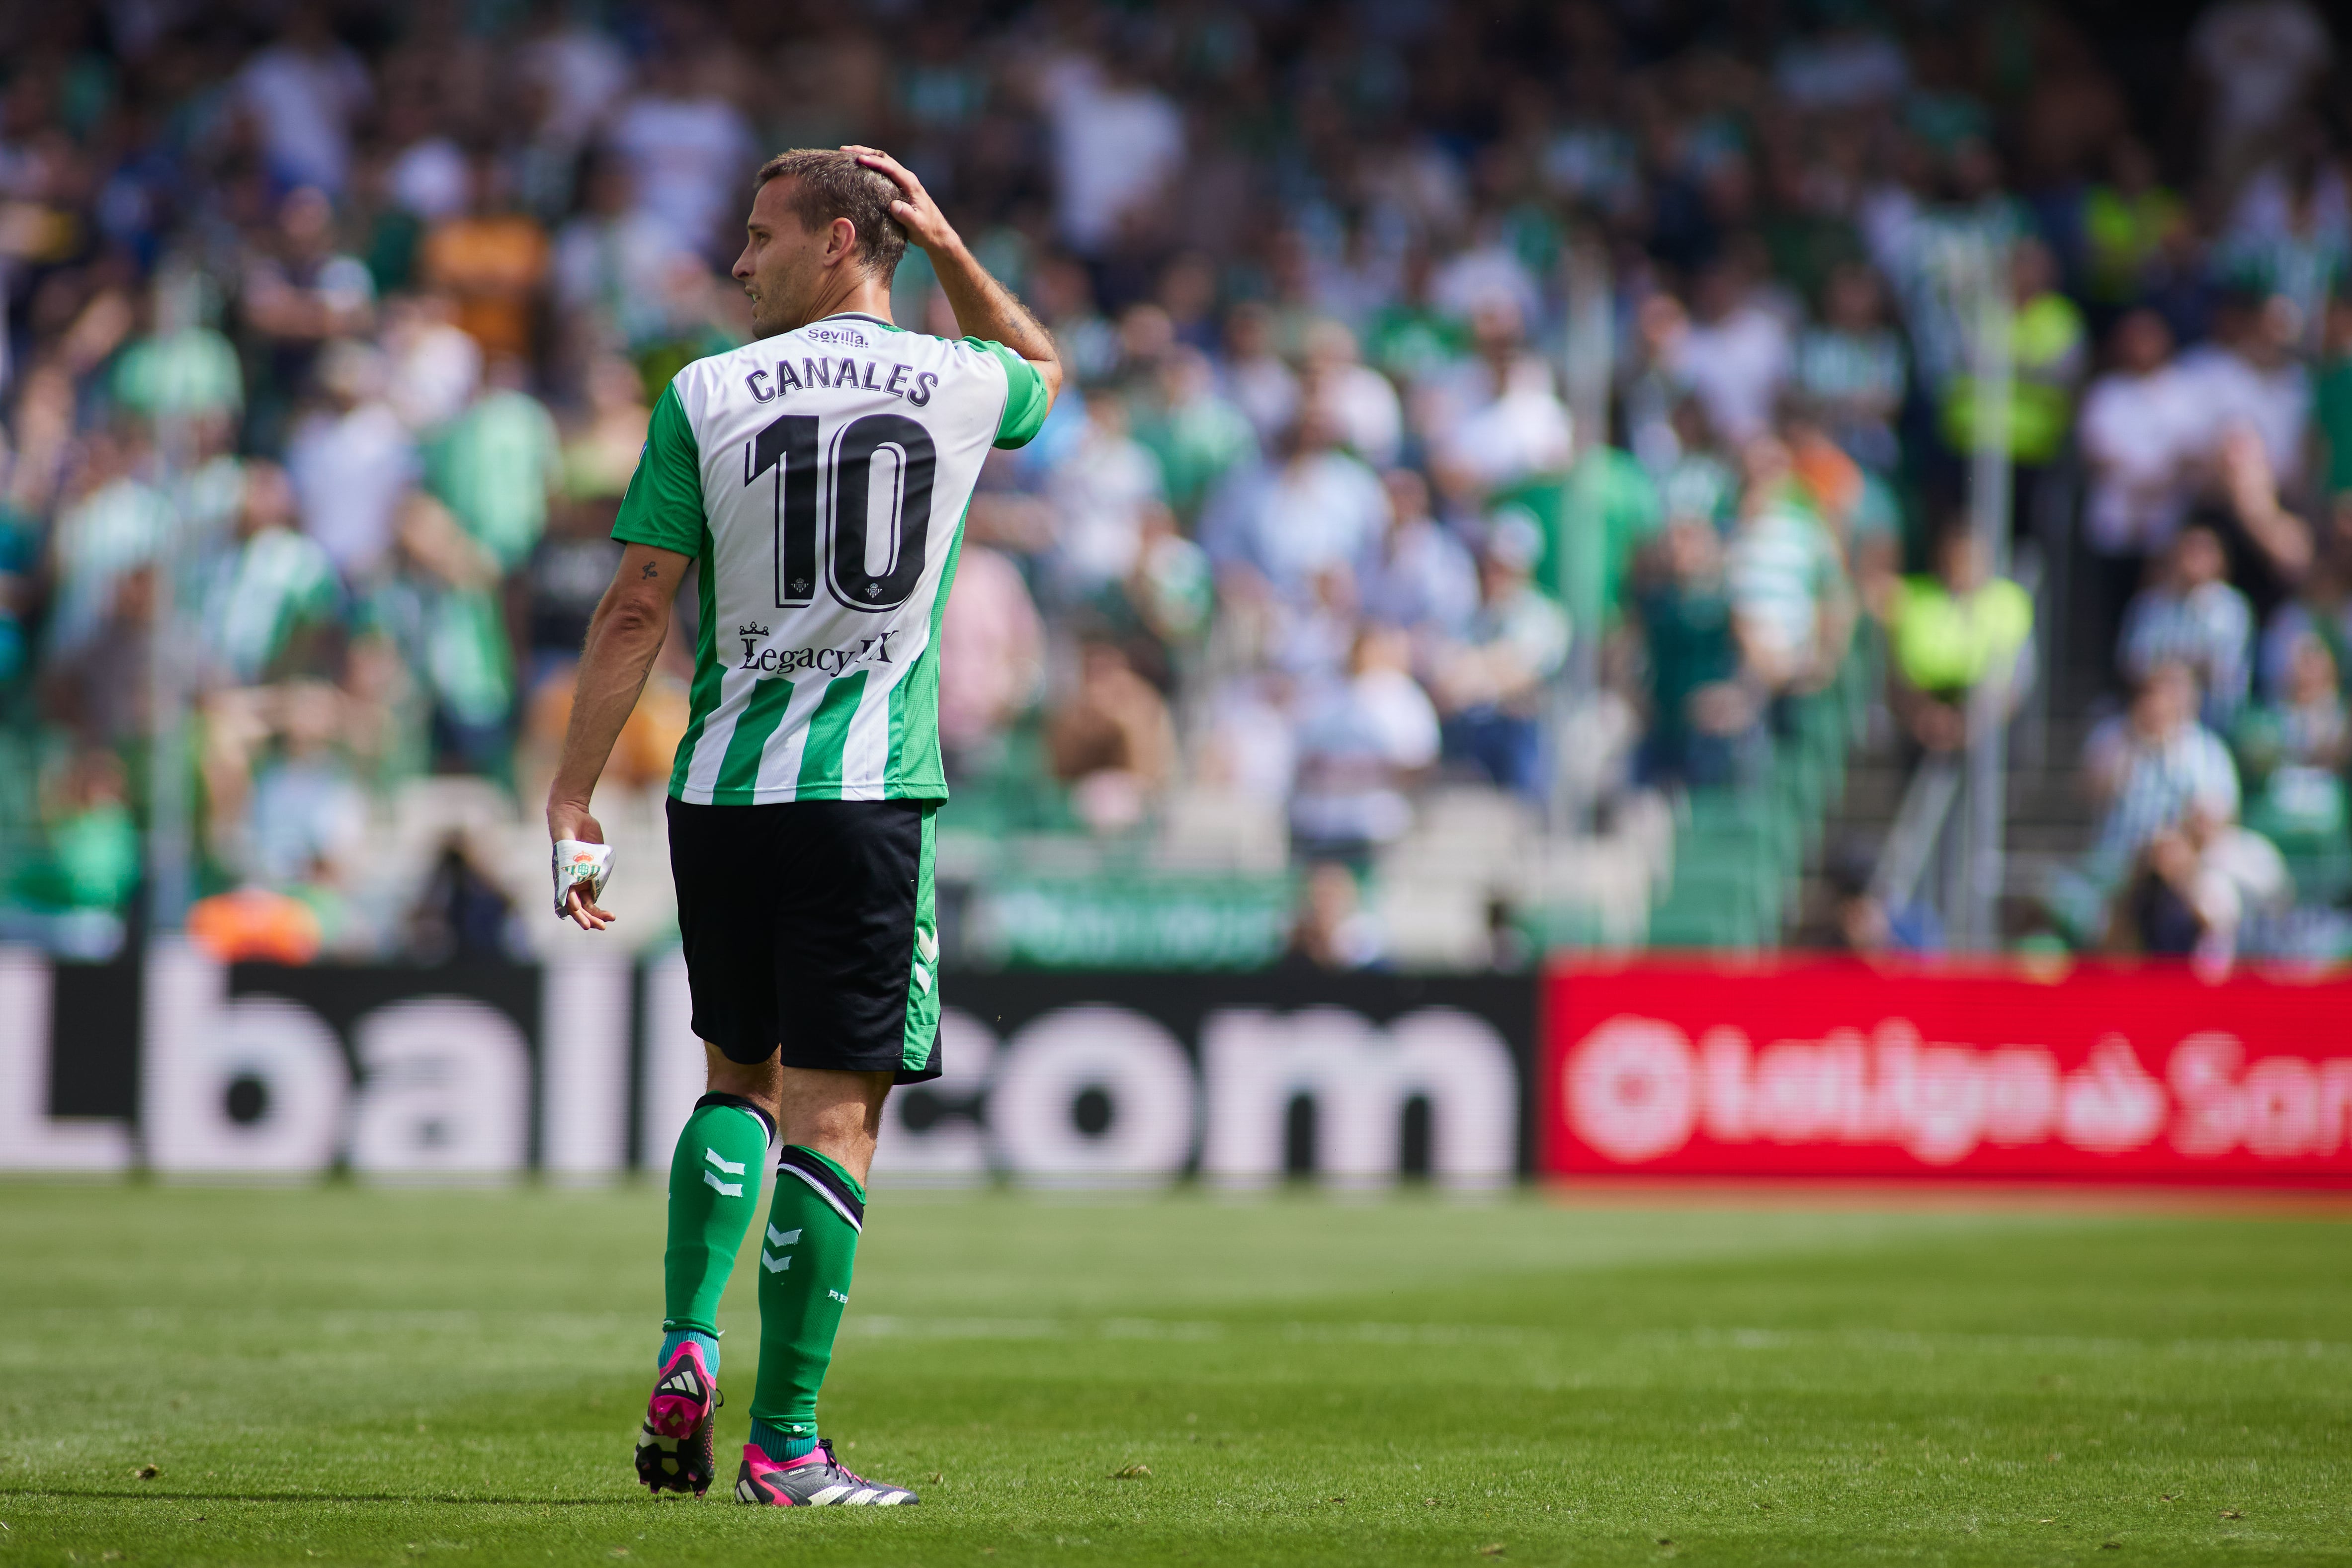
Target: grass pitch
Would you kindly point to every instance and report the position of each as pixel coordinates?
(353, 1376)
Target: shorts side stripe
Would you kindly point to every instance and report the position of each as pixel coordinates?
(922, 1034)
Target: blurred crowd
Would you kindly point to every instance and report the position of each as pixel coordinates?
(1439, 372)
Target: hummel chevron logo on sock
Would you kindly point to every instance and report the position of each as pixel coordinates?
(776, 1238)
(818, 1206)
(714, 1189)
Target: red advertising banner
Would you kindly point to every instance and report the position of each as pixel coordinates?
(1837, 1069)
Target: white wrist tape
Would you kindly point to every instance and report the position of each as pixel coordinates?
(577, 862)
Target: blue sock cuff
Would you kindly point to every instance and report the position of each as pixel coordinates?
(671, 1341)
(780, 1445)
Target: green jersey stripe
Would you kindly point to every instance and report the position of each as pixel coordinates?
(915, 753)
(1025, 402)
(703, 694)
(739, 769)
(897, 745)
(710, 747)
(828, 730)
(663, 505)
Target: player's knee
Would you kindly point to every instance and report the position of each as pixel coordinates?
(837, 1114)
(757, 1082)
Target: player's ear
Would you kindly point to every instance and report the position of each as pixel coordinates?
(840, 239)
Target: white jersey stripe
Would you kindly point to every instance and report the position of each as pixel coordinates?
(865, 749)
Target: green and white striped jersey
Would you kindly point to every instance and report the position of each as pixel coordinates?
(820, 478)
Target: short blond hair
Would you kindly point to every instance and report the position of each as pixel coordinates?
(835, 185)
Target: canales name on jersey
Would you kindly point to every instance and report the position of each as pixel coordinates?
(821, 479)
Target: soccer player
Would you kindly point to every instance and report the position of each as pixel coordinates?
(818, 479)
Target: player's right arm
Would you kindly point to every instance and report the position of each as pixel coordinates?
(983, 308)
(660, 528)
(624, 639)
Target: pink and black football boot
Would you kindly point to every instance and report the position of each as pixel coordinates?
(816, 1479)
(674, 1446)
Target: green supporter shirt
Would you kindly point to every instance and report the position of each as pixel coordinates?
(1411, 341)
(2332, 407)
(493, 468)
(454, 639)
(820, 479)
(191, 372)
(277, 582)
(1608, 487)
(1689, 631)
(1196, 445)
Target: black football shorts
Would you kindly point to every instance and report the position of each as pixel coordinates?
(810, 927)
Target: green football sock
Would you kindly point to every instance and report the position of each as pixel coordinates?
(714, 1192)
(805, 1259)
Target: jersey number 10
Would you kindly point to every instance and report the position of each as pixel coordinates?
(789, 446)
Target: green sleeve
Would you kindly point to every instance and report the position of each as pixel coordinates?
(1025, 402)
(664, 504)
